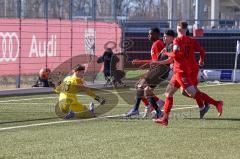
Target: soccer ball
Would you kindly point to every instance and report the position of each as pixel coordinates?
(153, 114)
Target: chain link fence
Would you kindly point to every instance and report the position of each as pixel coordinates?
(53, 34)
(49, 33)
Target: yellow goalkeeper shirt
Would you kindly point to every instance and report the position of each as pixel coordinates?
(70, 88)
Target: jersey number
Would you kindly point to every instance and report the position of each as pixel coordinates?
(66, 86)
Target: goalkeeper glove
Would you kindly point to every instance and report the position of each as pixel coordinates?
(100, 100)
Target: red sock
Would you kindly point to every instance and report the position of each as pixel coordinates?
(208, 99)
(145, 101)
(155, 98)
(168, 105)
(199, 99)
(199, 103)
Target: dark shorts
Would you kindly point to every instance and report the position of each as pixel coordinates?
(156, 75)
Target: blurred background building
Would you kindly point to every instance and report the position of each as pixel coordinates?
(215, 10)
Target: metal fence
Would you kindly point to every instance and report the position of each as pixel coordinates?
(49, 33)
(119, 9)
(219, 43)
(27, 45)
(56, 34)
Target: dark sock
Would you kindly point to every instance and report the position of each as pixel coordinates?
(153, 103)
(137, 103)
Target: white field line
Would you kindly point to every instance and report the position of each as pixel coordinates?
(73, 121)
(115, 92)
(26, 99)
(25, 103)
(44, 103)
(178, 105)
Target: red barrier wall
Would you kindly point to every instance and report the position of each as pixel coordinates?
(35, 44)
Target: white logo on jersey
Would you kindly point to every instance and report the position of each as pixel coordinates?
(175, 47)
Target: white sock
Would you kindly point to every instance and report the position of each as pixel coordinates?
(160, 103)
(201, 108)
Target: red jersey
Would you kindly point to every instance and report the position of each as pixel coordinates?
(157, 47)
(184, 49)
(193, 64)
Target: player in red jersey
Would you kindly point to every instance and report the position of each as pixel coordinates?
(183, 54)
(142, 89)
(157, 45)
(194, 66)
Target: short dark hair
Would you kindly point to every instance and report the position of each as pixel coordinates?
(155, 30)
(78, 67)
(107, 52)
(170, 33)
(183, 24)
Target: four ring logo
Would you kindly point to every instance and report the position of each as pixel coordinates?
(10, 46)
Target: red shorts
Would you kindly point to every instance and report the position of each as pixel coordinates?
(181, 80)
(194, 77)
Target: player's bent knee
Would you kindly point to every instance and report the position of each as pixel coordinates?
(140, 92)
(64, 108)
(191, 91)
(170, 90)
(184, 93)
(141, 83)
(148, 91)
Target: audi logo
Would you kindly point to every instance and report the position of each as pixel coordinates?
(10, 46)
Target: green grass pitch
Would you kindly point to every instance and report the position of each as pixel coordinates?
(29, 128)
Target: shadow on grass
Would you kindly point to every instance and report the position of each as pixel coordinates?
(216, 119)
(223, 128)
(206, 128)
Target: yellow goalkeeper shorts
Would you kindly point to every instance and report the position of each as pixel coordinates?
(70, 104)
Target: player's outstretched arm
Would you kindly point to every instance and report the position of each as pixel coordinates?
(169, 54)
(89, 92)
(100, 100)
(165, 62)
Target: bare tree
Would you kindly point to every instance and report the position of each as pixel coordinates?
(82, 7)
(8, 8)
(33, 8)
(104, 7)
(61, 8)
(56, 8)
(123, 7)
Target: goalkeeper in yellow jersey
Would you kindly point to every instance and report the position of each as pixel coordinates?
(68, 90)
